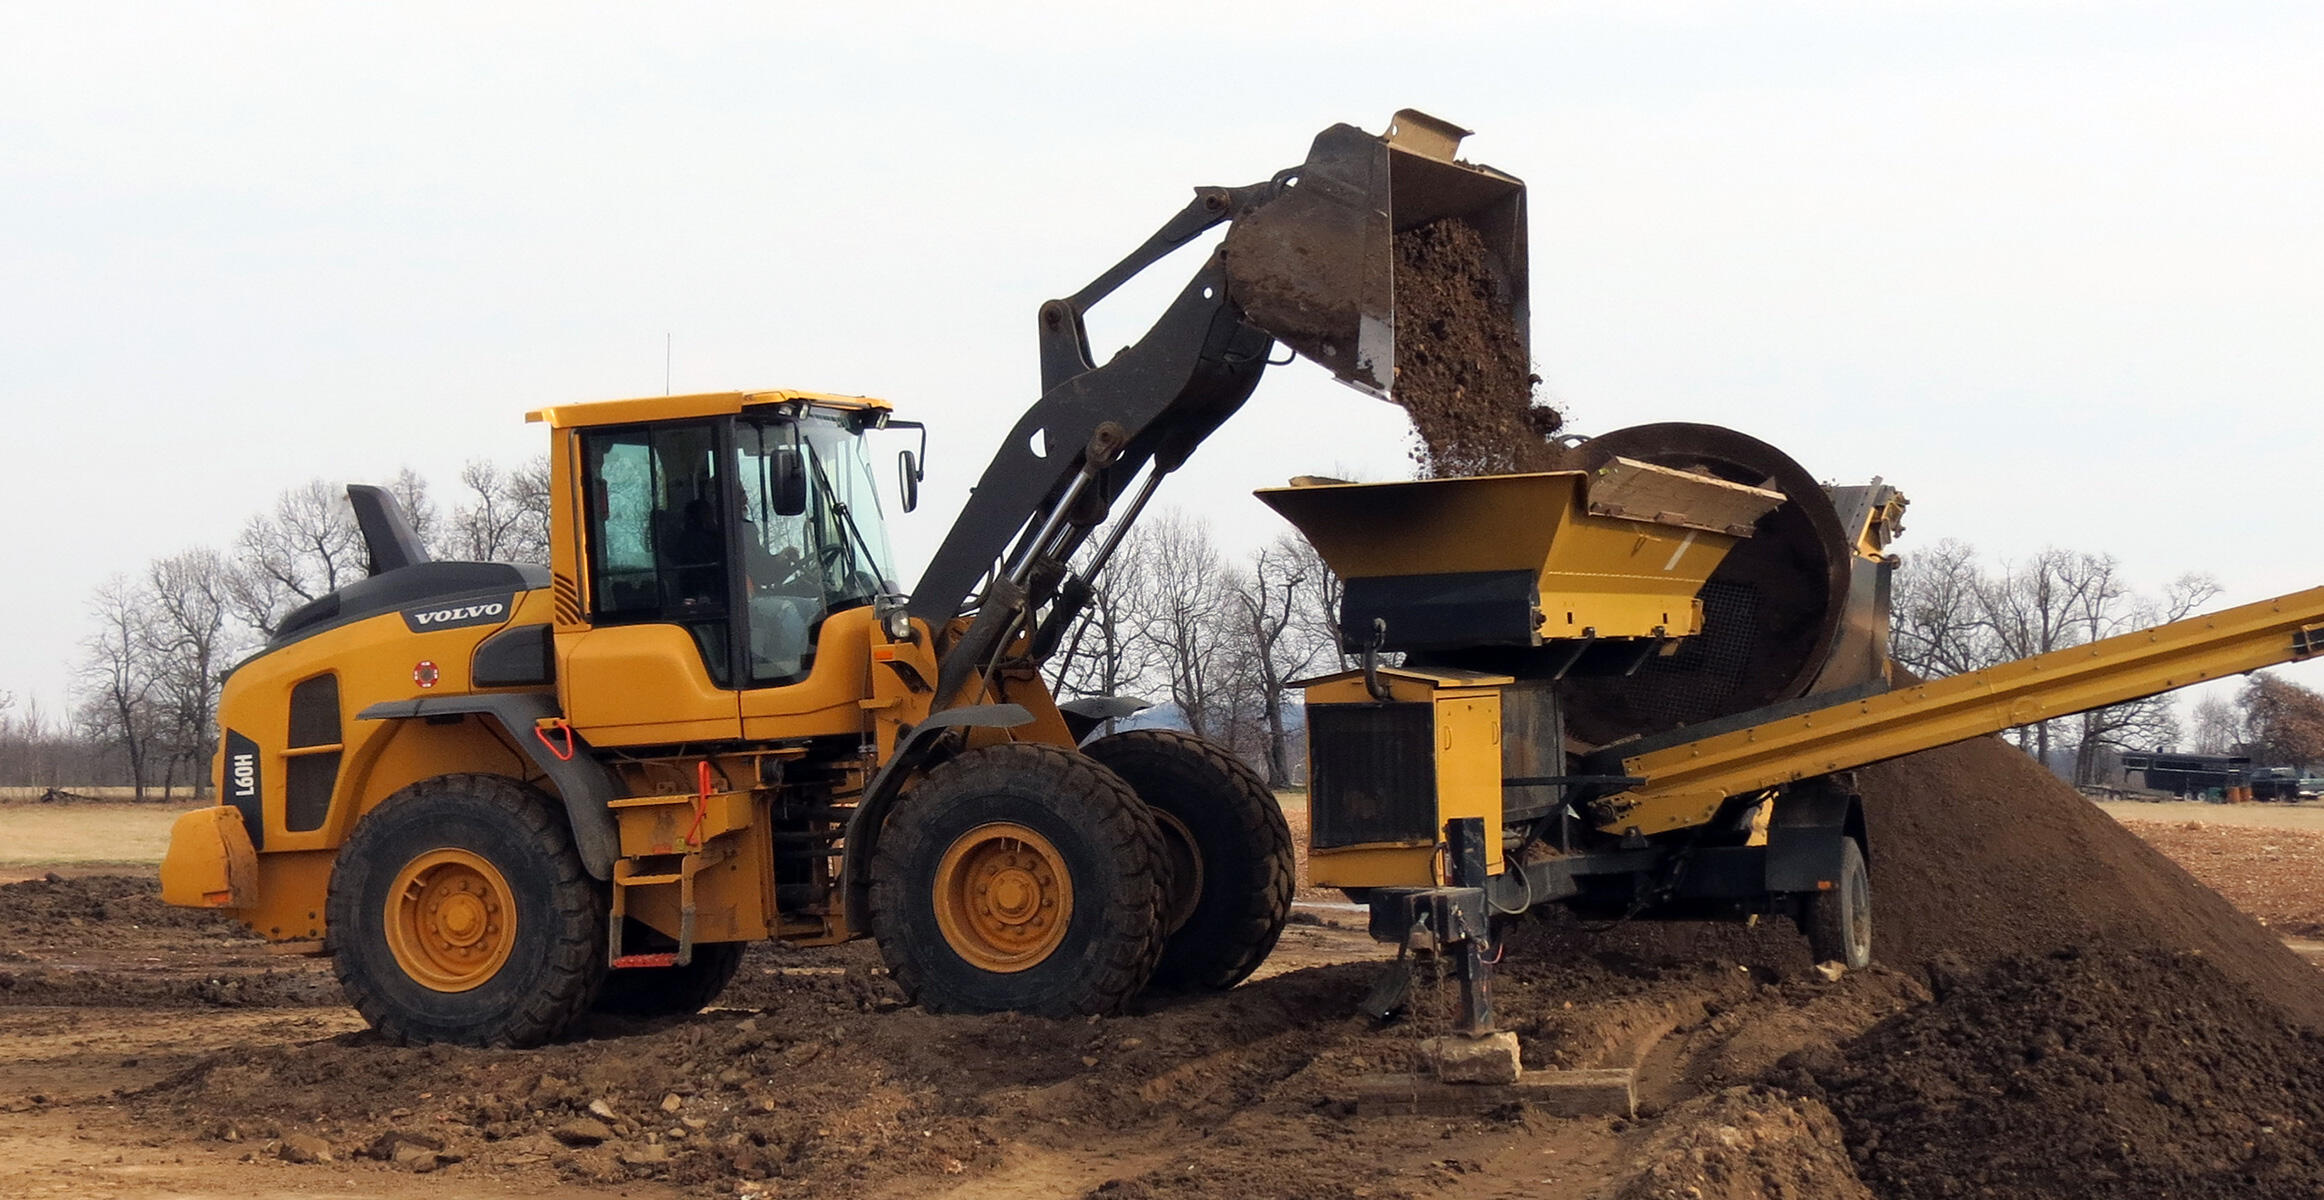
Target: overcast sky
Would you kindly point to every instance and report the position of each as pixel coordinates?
(2055, 269)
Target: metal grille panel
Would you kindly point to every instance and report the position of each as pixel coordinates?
(309, 779)
(1371, 773)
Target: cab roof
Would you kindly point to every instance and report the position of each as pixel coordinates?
(701, 404)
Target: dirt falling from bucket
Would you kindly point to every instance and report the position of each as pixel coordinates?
(1461, 363)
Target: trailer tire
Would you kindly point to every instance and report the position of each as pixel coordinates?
(1229, 849)
(672, 991)
(1838, 923)
(1020, 877)
(460, 912)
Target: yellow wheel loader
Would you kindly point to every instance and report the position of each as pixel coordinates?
(501, 797)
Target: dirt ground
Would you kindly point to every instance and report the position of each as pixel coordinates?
(2266, 858)
(148, 1051)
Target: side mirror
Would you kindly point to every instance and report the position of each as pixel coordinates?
(787, 489)
(908, 479)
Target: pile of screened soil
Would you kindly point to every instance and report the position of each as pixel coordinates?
(1462, 370)
(2106, 1072)
(1978, 855)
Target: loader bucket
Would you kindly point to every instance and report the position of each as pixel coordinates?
(1316, 265)
(1518, 560)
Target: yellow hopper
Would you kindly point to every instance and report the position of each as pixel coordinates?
(1502, 560)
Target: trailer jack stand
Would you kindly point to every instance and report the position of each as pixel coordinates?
(1471, 1068)
(1449, 926)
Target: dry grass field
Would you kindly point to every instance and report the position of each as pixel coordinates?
(2305, 815)
(82, 835)
(153, 795)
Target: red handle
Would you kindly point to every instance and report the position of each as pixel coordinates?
(542, 732)
(701, 801)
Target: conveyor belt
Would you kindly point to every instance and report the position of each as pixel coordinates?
(1686, 783)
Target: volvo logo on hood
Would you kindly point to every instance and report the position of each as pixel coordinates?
(458, 614)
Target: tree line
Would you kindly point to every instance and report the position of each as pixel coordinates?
(1952, 612)
(1214, 638)
(147, 677)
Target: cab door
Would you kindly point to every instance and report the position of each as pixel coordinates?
(813, 553)
(658, 657)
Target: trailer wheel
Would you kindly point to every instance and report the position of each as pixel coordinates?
(1838, 923)
(460, 912)
(1019, 877)
(672, 991)
(1229, 890)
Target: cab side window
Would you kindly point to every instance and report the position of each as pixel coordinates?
(657, 552)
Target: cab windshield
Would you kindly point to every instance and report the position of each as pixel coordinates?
(801, 567)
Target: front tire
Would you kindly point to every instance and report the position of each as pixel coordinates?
(1019, 877)
(460, 912)
(1230, 891)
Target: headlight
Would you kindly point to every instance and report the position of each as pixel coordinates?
(897, 624)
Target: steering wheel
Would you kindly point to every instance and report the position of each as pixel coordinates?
(833, 560)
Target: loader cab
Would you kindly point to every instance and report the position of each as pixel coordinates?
(718, 539)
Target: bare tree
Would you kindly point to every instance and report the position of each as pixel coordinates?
(504, 516)
(303, 548)
(187, 644)
(410, 490)
(12, 740)
(1267, 600)
(1181, 607)
(2215, 726)
(116, 679)
(2040, 605)
(36, 749)
(2285, 722)
(1316, 602)
(1950, 615)
(2107, 609)
(1109, 653)
(1937, 621)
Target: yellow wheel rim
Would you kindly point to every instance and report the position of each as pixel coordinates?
(451, 920)
(1003, 897)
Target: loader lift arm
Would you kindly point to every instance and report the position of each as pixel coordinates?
(1307, 262)
(1070, 456)
(1687, 775)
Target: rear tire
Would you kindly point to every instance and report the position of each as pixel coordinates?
(1221, 824)
(1019, 877)
(672, 991)
(1838, 923)
(460, 912)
